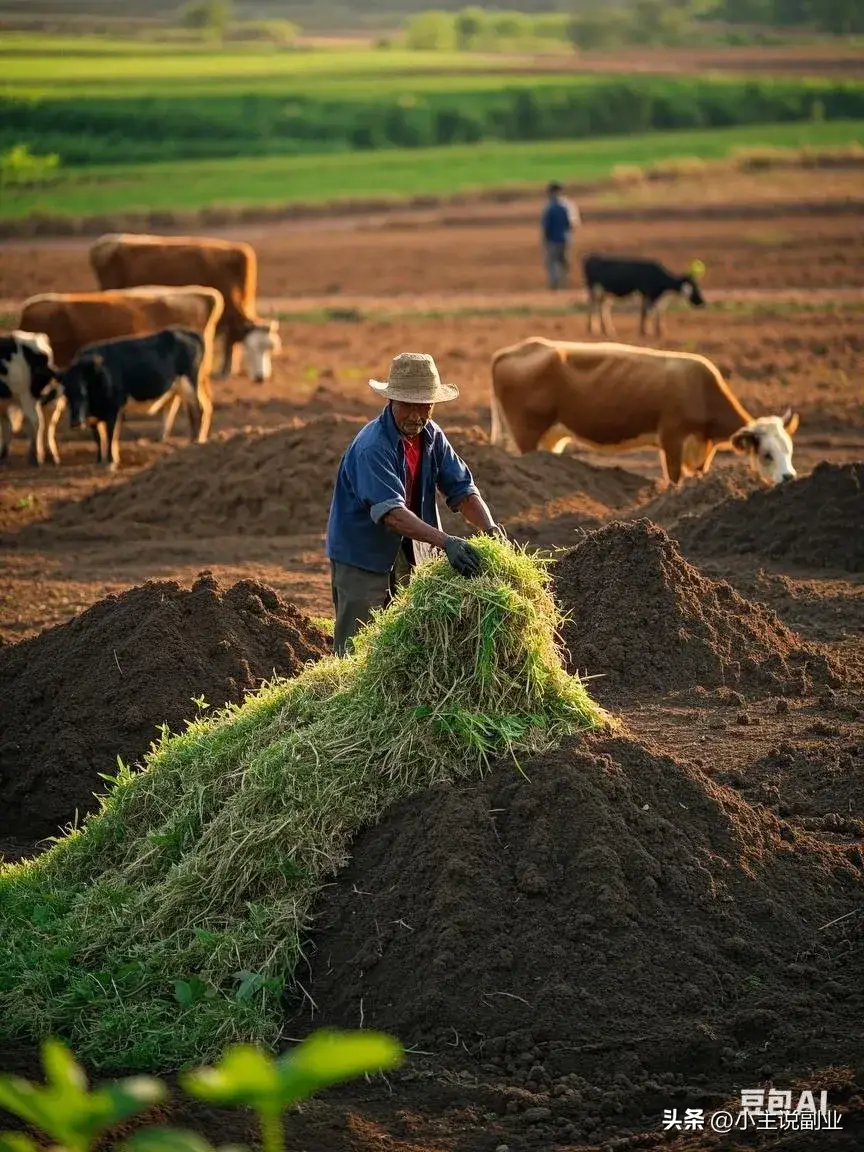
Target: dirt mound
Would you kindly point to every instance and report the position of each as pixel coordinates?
(280, 483)
(815, 521)
(79, 695)
(255, 483)
(648, 621)
(592, 936)
(699, 494)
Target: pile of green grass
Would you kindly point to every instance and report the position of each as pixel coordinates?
(172, 923)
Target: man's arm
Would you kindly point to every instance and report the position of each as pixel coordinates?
(402, 521)
(475, 510)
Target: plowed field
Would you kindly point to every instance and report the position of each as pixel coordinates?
(736, 663)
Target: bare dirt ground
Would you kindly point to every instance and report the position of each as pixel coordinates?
(785, 326)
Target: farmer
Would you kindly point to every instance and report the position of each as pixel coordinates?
(384, 499)
(557, 222)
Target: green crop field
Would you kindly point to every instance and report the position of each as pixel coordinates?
(194, 185)
(182, 127)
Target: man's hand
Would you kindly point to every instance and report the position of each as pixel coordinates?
(462, 557)
(497, 531)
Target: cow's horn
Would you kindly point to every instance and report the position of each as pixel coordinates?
(697, 269)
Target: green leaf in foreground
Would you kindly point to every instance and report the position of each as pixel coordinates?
(65, 1109)
(246, 1076)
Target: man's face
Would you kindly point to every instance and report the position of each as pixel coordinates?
(410, 418)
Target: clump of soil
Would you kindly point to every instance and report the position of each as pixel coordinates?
(590, 934)
(79, 695)
(647, 621)
(281, 482)
(815, 521)
(819, 784)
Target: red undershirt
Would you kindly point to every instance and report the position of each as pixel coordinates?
(411, 444)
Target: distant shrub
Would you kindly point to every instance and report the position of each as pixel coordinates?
(209, 17)
(431, 32)
(20, 167)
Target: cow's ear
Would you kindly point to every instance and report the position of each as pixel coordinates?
(790, 421)
(745, 440)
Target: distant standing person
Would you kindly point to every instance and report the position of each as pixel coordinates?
(559, 219)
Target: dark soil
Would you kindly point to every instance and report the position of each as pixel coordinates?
(816, 521)
(647, 621)
(79, 695)
(280, 483)
(595, 940)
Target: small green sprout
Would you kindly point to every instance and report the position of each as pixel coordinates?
(65, 1109)
(247, 1076)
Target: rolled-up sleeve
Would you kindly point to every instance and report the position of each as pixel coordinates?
(378, 484)
(454, 477)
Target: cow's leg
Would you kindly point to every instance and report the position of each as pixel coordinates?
(112, 430)
(595, 300)
(53, 421)
(33, 416)
(555, 439)
(671, 452)
(644, 313)
(204, 396)
(5, 433)
(98, 432)
(170, 415)
(228, 358)
(607, 327)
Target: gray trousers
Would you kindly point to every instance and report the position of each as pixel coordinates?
(357, 592)
(557, 262)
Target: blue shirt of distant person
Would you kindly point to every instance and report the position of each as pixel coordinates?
(556, 224)
(384, 498)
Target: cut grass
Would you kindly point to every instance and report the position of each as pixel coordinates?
(194, 186)
(172, 923)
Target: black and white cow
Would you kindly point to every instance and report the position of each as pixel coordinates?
(28, 382)
(157, 369)
(609, 276)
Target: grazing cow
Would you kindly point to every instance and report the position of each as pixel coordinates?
(27, 384)
(73, 320)
(152, 370)
(127, 260)
(610, 276)
(613, 397)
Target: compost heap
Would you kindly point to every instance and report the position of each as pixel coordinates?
(79, 695)
(209, 859)
(280, 483)
(643, 618)
(592, 937)
(810, 521)
(696, 495)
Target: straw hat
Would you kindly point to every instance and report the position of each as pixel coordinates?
(414, 379)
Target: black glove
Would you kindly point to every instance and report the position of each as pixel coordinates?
(462, 557)
(497, 531)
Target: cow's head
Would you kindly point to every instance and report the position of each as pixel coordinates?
(691, 291)
(767, 443)
(83, 377)
(260, 344)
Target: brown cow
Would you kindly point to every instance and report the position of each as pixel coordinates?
(613, 397)
(126, 260)
(73, 320)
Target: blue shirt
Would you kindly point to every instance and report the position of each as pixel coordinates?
(556, 222)
(371, 482)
